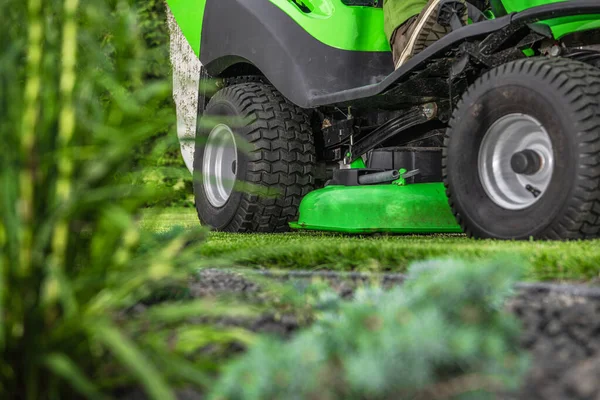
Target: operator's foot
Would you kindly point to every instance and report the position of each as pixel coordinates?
(419, 32)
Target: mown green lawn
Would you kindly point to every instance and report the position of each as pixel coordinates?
(317, 251)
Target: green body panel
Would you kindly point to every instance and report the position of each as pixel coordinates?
(358, 164)
(418, 208)
(351, 27)
(189, 15)
(338, 25)
(560, 26)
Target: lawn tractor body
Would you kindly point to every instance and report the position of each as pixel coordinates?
(315, 52)
(494, 130)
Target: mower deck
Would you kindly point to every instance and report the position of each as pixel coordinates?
(411, 209)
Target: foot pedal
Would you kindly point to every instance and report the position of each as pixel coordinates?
(451, 14)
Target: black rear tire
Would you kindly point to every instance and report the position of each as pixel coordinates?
(563, 95)
(281, 158)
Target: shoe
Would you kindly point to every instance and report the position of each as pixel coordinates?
(420, 32)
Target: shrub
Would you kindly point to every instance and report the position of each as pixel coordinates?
(159, 156)
(73, 105)
(443, 334)
(155, 33)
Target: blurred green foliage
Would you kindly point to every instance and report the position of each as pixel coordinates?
(159, 157)
(443, 335)
(75, 99)
(155, 32)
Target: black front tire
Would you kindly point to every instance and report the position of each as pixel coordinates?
(563, 95)
(281, 158)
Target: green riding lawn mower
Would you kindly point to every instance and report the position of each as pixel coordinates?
(493, 131)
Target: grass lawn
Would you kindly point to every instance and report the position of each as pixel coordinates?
(313, 251)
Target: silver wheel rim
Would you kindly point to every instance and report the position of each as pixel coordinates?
(220, 165)
(512, 134)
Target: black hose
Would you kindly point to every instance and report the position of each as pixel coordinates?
(379, 177)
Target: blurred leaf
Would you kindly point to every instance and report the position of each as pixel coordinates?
(181, 311)
(64, 367)
(191, 338)
(126, 351)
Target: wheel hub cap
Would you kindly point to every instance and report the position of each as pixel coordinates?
(219, 165)
(526, 162)
(516, 161)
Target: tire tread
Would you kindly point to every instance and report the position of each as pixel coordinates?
(282, 159)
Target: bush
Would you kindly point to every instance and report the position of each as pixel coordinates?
(74, 102)
(152, 18)
(159, 157)
(444, 334)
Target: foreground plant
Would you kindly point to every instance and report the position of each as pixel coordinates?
(442, 335)
(73, 105)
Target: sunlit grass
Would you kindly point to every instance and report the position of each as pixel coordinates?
(318, 251)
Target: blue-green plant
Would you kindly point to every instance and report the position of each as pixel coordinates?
(444, 334)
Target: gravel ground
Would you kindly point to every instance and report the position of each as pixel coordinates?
(561, 329)
(561, 326)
